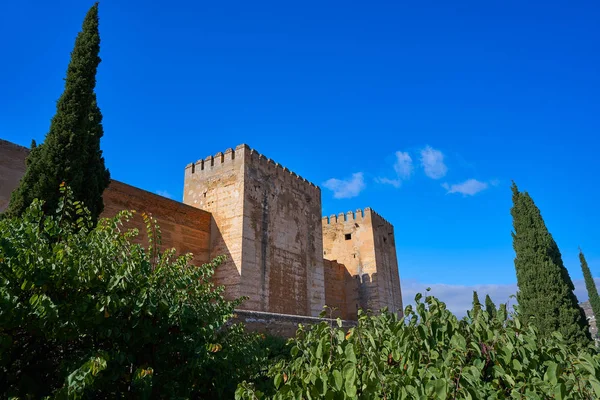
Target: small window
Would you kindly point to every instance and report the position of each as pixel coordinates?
(348, 236)
(384, 239)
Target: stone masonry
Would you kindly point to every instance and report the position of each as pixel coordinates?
(281, 254)
(267, 220)
(364, 243)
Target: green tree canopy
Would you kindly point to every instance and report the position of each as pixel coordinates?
(71, 151)
(545, 296)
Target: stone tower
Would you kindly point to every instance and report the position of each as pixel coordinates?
(364, 243)
(266, 220)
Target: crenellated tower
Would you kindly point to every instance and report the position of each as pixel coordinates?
(266, 220)
(364, 242)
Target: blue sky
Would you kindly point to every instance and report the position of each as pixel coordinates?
(410, 107)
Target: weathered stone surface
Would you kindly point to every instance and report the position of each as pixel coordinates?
(12, 169)
(282, 325)
(268, 222)
(364, 243)
(341, 290)
(185, 228)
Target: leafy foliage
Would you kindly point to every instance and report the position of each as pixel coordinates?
(545, 292)
(71, 151)
(430, 354)
(590, 285)
(476, 303)
(84, 312)
(490, 307)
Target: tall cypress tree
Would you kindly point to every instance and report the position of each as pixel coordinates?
(490, 307)
(590, 286)
(545, 295)
(71, 151)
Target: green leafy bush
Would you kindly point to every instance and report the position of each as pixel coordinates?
(85, 312)
(431, 354)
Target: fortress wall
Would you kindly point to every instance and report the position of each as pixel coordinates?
(282, 259)
(341, 290)
(12, 168)
(357, 240)
(388, 275)
(185, 228)
(267, 220)
(216, 184)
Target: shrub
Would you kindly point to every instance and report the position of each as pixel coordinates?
(431, 354)
(85, 312)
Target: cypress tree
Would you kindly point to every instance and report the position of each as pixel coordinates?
(490, 307)
(545, 295)
(476, 303)
(71, 151)
(590, 286)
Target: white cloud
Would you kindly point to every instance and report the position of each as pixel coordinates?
(459, 298)
(346, 188)
(164, 193)
(403, 167)
(387, 181)
(433, 163)
(469, 187)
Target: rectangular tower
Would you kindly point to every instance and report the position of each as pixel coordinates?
(364, 243)
(266, 220)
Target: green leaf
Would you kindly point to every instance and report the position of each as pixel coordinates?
(349, 352)
(337, 379)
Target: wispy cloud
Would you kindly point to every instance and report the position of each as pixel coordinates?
(346, 188)
(459, 298)
(469, 187)
(164, 193)
(387, 181)
(433, 164)
(403, 166)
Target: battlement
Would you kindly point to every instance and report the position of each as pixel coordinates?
(358, 215)
(252, 157)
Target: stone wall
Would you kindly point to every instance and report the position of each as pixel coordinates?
(12, 168)
(268, 218)
(280, 324)
(364, 243)
(216, 185)
(185, 228)
(341, 290)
